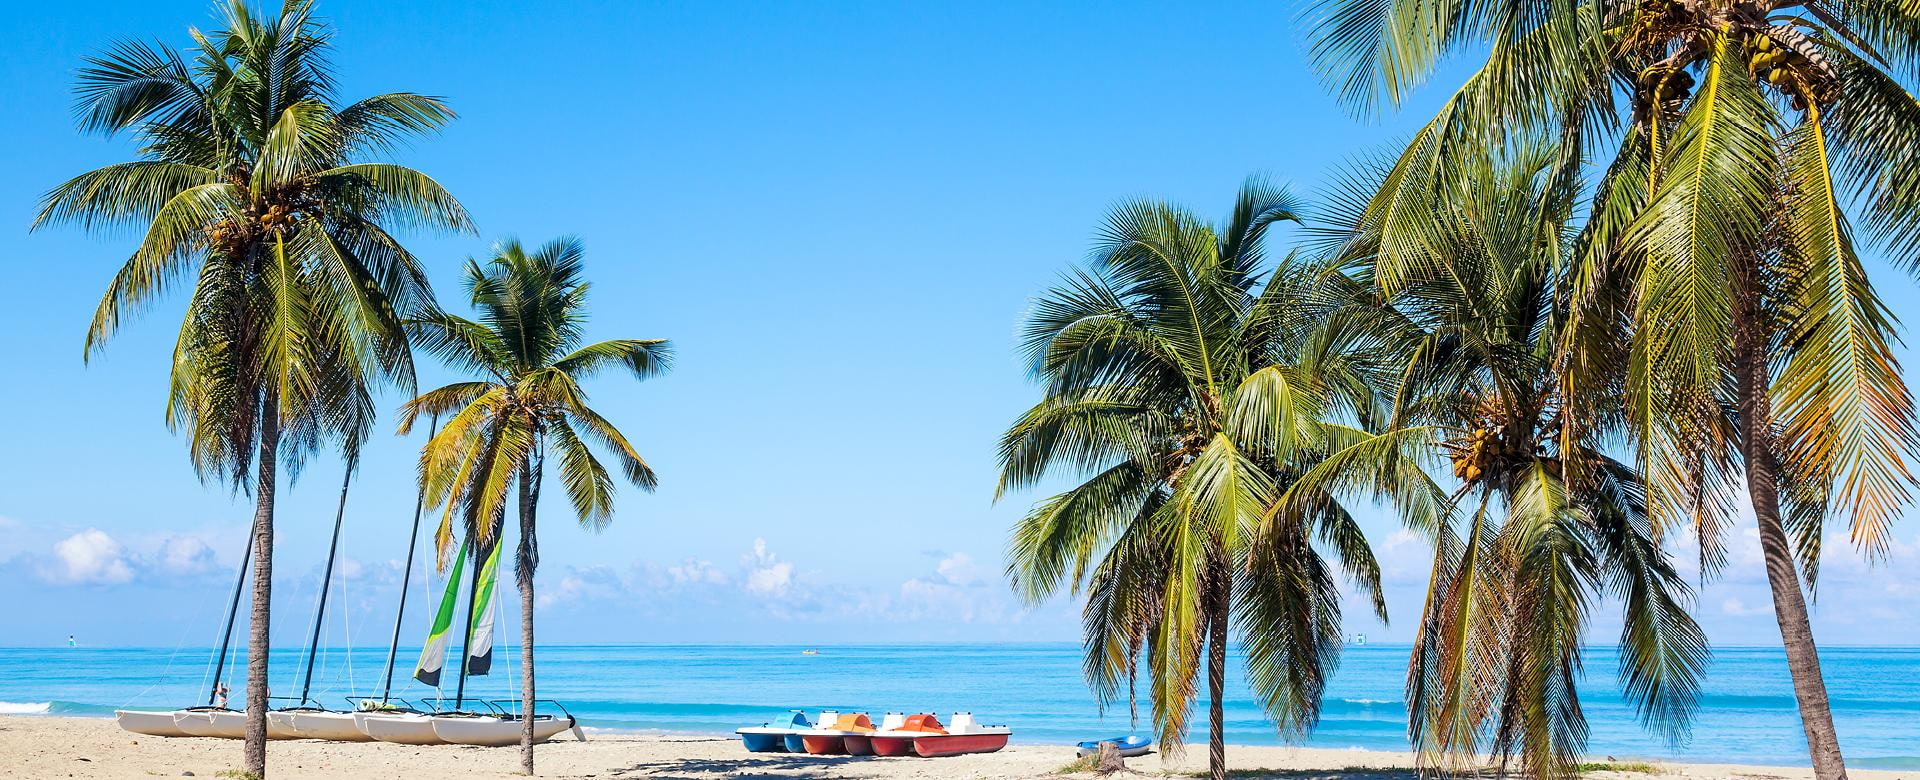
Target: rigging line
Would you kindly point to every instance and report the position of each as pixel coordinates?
(167, 673)
(326, 578)
(406, 573)
(233, 607)
(346, 629)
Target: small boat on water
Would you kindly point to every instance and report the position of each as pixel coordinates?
(770, 737)
(842, 737)
(1129, 746)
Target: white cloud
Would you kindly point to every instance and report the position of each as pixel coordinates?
(694, 572)
(1737, 608)
(959, 569)
(89, 557)
(594, 582)
(766, 573)
(186, 555)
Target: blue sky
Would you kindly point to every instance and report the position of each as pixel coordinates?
(836, 211)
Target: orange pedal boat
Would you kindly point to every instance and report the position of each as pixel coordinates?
(845, 736)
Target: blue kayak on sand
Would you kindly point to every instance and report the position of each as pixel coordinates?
(1130, 746)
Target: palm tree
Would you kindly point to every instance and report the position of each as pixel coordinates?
(1739, 140)
(500, 428)
(1187, 392)
(254, 186)
(1546, 530)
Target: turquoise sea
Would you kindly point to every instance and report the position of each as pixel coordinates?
(1747, 713)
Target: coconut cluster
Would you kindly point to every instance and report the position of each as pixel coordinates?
(1796, 75)
(276, 210)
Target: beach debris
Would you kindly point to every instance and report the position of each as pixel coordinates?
(1110, 759)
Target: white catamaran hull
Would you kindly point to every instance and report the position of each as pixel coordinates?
(489, 731)
(225, 724)
(318, 724)
(153, 724)
(404, 729)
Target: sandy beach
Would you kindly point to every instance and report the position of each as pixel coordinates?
(54, 747)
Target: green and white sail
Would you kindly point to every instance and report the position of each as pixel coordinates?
(433, 656)
(480, 644)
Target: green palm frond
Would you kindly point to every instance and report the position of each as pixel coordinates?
(644, 358)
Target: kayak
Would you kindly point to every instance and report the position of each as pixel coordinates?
(1129, 746)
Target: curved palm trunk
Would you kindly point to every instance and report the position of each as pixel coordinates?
(256, 748)
(527, 560)
(1217, 670)
(1789, 603)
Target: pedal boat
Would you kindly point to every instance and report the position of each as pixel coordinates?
(839, 738)
(964, 735)
(770, 737)
(898, 733)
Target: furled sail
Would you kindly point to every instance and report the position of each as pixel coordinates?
(434, 655)
(480, 645)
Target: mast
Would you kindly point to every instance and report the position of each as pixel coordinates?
(226, 631)
(326, 583)
(406, 575)
(466, 646)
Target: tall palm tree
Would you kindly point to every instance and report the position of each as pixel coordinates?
(1187, 390)
(1546, 531)
(251, 183)
(1739, 140)
(526, 348)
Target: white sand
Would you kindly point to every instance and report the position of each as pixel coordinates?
(47, 747)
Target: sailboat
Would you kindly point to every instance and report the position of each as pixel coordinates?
(409, 726)
(495, 727)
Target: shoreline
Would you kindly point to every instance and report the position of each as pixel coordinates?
(37, 746)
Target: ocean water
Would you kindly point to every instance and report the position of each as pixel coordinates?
(1747, 710)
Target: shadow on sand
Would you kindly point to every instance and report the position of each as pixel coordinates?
(761, 766)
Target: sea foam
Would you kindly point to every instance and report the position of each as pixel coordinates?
(25, 708)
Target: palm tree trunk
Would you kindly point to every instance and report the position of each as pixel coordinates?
(257, 633)
(1217, 669)
(1789, 603)
(527, 559)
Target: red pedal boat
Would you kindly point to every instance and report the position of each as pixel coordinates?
(897, 733)
(963, 735)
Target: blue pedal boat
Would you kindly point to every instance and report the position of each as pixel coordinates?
(1130, 746)
(773, 736)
